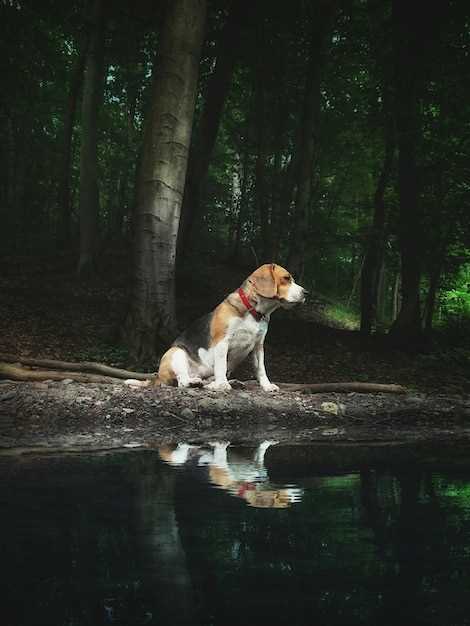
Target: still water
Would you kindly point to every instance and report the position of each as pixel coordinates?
(217, 535)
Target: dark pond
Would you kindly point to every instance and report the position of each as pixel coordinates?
(314, 535)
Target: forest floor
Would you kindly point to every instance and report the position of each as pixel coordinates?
(45, 312)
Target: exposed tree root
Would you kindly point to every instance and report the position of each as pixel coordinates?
(83, 372)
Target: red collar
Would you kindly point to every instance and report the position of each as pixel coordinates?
(258, 316)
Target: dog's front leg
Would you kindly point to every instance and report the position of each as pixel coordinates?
(220, 382)
(261, 451)
(260, 371)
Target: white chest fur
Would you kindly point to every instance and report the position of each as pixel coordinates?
(240, 339)
(242, 336)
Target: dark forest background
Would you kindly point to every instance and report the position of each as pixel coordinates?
(331, 137)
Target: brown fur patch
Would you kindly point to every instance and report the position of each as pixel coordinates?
(268, 499)
(220, 476)
(283, 280)
(271, 280)
(220, 320)
(165, 453)
(166, 375)
(264, 280)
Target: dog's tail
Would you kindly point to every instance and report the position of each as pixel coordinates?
(156, 381)
(133, 382)
(165, 375)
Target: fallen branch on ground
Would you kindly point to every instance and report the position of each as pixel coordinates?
(24, 374)
(84, 366)
(80, 372)
(341, 387)
(350, 387)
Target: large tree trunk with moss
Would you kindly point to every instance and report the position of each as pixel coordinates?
(92, 95)
(407, 41)
(161, 181)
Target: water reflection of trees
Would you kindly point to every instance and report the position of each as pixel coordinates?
(369, 547)
(150, 544)
(417, 531)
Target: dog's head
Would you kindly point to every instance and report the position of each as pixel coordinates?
(272, 498)
(275, 282)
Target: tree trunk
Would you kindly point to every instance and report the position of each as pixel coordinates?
(406, 41)
(396, 296)
(92, 95)
(161, 179)
(286, 195)
(382, 291)
(9, 209)
(261, 183)
(206, 132)
(373, 260)
(166, 569)
(63, 197)
(430, 304)
(307, 138)
(243, 173)
(120, 205)
(277, 208)
(280, 203)
(439, 242)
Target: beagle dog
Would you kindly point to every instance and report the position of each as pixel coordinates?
(242, 476)
(215, 344)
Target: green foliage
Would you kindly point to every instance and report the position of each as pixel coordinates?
(342, 316)
(453, 311)
(456, 303)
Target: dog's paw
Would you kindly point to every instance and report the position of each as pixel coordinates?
(220, 445)
(271, 387)
(196, 382)
(219, 386)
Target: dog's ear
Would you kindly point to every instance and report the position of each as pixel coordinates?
(264, 281)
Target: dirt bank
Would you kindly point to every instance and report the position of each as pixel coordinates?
(69, 415)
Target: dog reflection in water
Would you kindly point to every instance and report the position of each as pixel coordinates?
(242, 476)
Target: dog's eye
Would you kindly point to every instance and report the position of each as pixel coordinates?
(287, 278)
